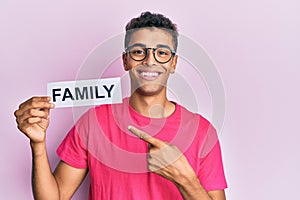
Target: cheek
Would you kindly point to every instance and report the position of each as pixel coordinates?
(131, 64)
(132, 73)
(127, 63)
(167, 68)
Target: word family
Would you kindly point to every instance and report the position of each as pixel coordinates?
(85, 92)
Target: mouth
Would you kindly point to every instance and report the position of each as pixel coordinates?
(149, 75)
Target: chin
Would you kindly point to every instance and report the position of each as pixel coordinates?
(145, 91)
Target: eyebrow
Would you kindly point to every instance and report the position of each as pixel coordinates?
(137, 45)
(163, 45)
(143, 45)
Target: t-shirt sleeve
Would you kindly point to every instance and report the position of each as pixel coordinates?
(211, 173)
(72, 149)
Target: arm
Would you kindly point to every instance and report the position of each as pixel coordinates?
(68, 179)
(167, 160)
(33, 120)
(44, 184)
(192, 189)
(188, 183)
(62, 184)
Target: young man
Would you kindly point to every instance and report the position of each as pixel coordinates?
(174, 155)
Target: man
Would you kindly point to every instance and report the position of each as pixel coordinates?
(154, 165)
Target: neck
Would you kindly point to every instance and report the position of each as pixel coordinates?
(154, 106)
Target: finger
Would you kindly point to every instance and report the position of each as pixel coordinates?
(154, 168)
(146, 137)
(43, 98)
(34, 120)
(26, 126)
(152, 161)
(33, 113)
(33, 105)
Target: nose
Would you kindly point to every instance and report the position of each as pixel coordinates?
(150, 59)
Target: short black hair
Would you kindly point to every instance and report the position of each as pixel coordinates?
(155, 20)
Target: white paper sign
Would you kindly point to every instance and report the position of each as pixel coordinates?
(85, 92)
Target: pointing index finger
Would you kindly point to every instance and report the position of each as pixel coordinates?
(146, 137)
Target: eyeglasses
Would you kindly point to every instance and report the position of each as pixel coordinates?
(161, 54)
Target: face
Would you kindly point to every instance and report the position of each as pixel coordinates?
(149, 76)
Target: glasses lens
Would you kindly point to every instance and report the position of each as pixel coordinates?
(138, 53)
(163, 55)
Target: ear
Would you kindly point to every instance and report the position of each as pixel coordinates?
(125, 60)
(173, 64)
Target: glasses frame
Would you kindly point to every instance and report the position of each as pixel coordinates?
(173, 53)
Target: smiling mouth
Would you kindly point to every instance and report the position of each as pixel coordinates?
(149, 75)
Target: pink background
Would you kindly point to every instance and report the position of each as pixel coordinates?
(254, 44)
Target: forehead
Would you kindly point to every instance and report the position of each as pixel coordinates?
(151, 37)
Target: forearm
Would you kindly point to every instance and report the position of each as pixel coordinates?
(191, 189)
(44, 185)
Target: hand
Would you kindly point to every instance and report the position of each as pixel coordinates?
(166, 159)
(33, 118)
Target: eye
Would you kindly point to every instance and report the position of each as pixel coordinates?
(162, 52)
(137, 51)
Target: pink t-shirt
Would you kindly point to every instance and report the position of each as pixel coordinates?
(117, 160)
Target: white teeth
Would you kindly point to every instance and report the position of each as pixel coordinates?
(149, 74)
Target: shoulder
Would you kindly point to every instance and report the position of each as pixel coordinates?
(203, 128)
(190, 117)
